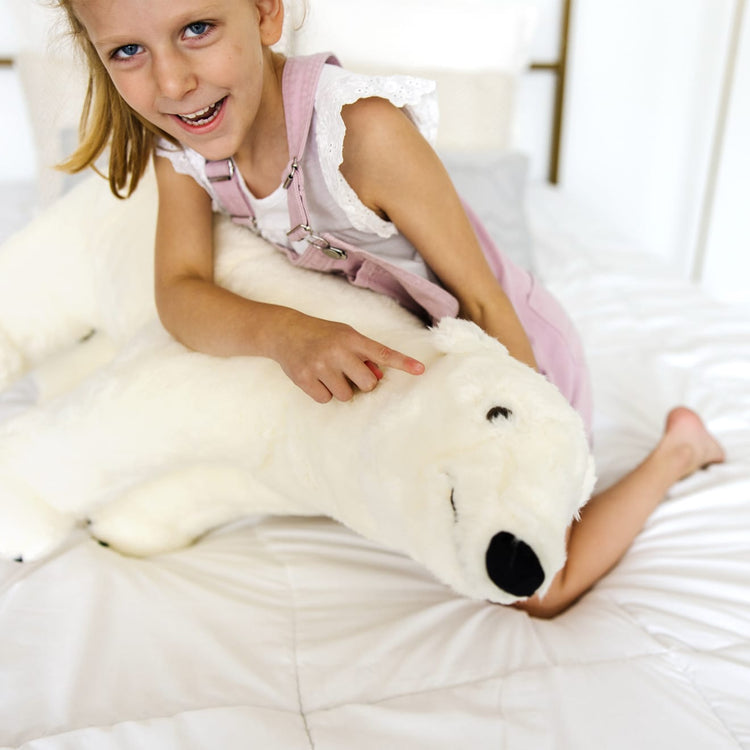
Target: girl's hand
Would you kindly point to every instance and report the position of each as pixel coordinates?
(330, 360)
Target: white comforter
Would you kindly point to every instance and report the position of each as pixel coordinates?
(297, 634)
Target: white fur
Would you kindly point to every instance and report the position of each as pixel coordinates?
(163, 444)
(11, 361)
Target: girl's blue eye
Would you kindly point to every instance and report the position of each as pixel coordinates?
(199, 28)
(127, 50)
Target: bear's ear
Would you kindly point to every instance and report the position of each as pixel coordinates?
(455, 336)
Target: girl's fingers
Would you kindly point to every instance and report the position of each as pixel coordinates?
(412, 366)
(363, 376)
(318, 392)
(358, 375)
(341, 389)
(376, 371)
(385, 357)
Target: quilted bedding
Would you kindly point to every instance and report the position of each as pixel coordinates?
(296, 634)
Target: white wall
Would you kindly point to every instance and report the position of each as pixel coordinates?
(726, 267)
(643, 98)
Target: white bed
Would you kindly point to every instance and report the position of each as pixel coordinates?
(296, 633)
(290, 633)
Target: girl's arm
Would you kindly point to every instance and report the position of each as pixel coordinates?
(396, 173)
(324, 358)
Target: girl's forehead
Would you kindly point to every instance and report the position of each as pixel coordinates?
(104, 9)
(110, 17)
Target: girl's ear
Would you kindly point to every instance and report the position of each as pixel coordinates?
(271, 20)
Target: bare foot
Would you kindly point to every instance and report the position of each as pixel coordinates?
(687, 436)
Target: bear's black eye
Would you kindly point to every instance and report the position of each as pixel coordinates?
(498, 411)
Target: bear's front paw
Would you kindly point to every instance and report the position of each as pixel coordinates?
(134, 536)
(29, 528)
(133, 525)
(170, 511)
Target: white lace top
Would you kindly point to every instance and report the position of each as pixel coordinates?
(337, 88)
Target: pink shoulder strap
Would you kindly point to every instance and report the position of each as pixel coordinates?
(299, 85)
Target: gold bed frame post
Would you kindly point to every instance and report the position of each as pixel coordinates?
(559, 69)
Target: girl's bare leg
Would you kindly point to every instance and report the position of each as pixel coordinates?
(612, 519)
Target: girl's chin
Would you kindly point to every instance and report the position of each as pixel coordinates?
(214, 150)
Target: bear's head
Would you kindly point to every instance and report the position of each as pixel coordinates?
(478, 467)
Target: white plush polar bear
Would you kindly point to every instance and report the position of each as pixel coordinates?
(475, 468)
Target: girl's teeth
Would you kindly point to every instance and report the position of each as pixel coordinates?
(202, 116)
(198, 114)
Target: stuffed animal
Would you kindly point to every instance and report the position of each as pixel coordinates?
(475, 468)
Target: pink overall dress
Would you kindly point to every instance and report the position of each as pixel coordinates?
(553, 337)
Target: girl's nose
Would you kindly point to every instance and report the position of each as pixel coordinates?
(174, 75)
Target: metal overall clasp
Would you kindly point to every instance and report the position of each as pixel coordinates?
(227, 175)
(319, 242)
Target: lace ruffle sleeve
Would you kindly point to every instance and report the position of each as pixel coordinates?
(337, 88)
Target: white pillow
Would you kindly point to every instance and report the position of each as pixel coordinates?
(54, 86)
(494, 186)
(476, 110)
(31, 21)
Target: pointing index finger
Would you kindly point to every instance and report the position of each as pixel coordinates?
(391, 358)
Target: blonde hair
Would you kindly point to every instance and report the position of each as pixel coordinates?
(108, 121)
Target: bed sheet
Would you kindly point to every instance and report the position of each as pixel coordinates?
(295, 633)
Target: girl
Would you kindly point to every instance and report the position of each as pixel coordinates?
(195, 85)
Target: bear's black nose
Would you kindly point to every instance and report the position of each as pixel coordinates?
(513, 566)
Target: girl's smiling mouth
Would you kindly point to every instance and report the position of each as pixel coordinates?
(202, 118)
